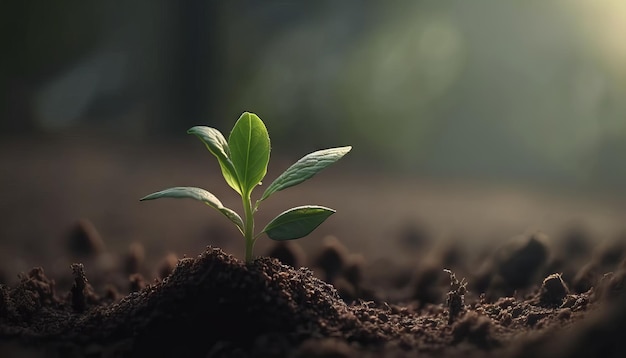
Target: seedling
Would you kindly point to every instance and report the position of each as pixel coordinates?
(243, 160)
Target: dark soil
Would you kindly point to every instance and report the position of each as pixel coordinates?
(215, 305)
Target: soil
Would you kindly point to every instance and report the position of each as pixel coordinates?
(535, 295)
(217, 306)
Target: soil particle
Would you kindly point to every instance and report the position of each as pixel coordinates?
(455, 300)
(33, 292)
(79, 301)
(553, 290)
(84, 240)
(475, 329)
(519, 262)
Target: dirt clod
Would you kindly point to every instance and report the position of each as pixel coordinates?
(475, 329)
(84, 240)
(33, 292)
(553, 290)
(79, 302)
(519, 262)
(455, 300)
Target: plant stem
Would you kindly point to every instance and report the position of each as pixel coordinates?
(248, 227)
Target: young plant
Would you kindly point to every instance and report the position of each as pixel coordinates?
(243, 160)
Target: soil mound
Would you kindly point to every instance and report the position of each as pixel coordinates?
(217, 306)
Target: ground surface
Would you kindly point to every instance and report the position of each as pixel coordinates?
(376, 284)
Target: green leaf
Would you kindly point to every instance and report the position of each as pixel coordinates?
(200, 195)
(249, 145)
(305, 168)
(297, 222)
(217, 145)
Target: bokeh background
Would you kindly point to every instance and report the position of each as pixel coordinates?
(528, 91)
(469, 119)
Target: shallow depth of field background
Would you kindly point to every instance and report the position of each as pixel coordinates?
(470, 120)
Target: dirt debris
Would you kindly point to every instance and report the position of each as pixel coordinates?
(215, 305)
(455, 300)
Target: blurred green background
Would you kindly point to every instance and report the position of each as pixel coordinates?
(530, 91)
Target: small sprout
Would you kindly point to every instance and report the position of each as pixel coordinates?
(243, 160)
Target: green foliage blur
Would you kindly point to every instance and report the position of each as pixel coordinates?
(485, 88)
